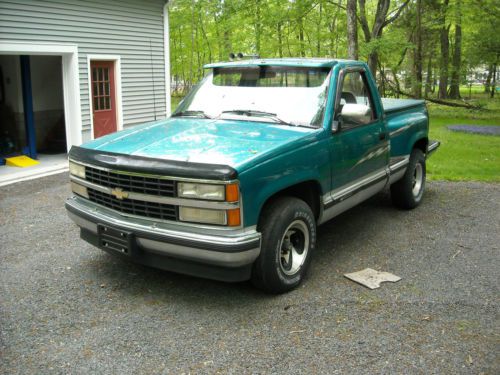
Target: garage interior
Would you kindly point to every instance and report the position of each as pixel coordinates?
(32, 120)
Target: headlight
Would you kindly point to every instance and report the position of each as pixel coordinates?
(202, 215)
(77, 169)
(201, 191)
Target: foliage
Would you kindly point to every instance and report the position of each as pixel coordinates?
(204, 31)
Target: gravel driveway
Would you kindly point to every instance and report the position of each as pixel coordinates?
(66, 307)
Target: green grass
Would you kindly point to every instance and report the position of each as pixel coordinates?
(462, 156)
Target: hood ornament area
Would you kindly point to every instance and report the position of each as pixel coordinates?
(119, 193)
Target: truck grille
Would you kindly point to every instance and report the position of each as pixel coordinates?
(136, 184)
(134, 207)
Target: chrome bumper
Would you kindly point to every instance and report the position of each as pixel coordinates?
(218, 247)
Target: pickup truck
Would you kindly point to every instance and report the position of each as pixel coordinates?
(233, 185)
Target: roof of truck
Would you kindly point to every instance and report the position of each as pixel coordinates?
(312, 62)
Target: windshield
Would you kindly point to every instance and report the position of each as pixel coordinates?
(287, 95)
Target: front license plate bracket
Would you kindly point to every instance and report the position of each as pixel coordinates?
(115, 239)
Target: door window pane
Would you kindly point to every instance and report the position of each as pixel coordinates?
(356, 94)
(101, 88)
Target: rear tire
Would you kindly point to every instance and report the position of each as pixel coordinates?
(407, 193)
(288, 231)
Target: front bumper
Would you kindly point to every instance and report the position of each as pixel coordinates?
(223, 254)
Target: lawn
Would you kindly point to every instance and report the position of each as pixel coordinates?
(461, 157)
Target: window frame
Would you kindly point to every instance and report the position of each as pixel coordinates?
(106, 83)
(338, 96)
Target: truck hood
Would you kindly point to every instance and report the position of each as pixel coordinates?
(226, 142)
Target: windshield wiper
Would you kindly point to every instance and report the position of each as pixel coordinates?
(191, 114)
(255, 113)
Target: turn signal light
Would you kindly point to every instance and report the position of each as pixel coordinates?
(233, 217)
(232, 193)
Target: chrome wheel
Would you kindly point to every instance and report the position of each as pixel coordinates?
(294, 247)
(418, 180)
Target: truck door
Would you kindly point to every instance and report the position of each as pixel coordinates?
(359, 145)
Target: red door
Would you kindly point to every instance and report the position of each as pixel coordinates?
(103, 97)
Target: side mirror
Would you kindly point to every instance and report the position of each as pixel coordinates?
(356, 113)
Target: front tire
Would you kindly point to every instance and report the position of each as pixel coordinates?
(288, 231)
(407, 193)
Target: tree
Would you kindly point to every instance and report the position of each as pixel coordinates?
(352, 30)
(413, 43)
(382, 18)
(417, 53)
(445, 53)
(480, 44)
(457, 54)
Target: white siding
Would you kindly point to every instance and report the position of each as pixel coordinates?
(132, 29)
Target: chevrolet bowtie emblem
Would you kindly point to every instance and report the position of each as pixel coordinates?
(119, 193)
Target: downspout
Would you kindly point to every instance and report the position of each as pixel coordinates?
(166, 48)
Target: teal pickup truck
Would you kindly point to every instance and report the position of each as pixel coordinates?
(233, 185)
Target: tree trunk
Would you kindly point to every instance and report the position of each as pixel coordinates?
(487, 85)
(257, 27)
(352, 30)
(205, 37)
(417, 53)
(494, 82)
(445, 57)
(301, 37)
(445, 54)
(318, 31)
(428, 79)
(228, 46)
(380, 21)
(280, 40)
(193, 34)
(398, 85)
(373, 63)
(226, 30)
(383, 79)
(457, 57)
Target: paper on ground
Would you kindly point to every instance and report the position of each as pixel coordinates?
(371, 278)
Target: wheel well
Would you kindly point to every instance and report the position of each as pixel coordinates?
(308, 191)
(422, 145)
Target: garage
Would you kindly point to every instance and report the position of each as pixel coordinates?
(32, 109)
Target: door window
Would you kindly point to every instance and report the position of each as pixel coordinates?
(356, 104)
(101, 94)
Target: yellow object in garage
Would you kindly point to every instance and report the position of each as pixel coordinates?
(22, 161)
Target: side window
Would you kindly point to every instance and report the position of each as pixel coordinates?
(356, 104)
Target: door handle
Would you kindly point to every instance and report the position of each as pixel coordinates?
(382, 136)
